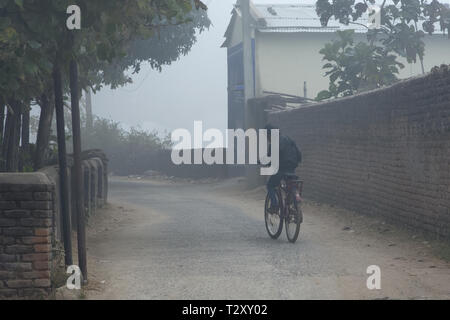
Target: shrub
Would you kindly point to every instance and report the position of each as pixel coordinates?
(131, 151)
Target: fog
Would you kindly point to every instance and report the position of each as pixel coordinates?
(193, 88)
(348, 200)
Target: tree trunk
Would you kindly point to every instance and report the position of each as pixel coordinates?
(13, 141)
(25, 151)
(43, 135)
(26, 128)
(6, 137)
(16, 145)
(77, 170)
(2, 119)
(422, 64)
(89, 115)
(62, 159)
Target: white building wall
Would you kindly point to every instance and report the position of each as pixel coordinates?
(285, 60)
(437, 52)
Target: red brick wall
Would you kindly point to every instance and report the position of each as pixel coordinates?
(26, 224)
(30, 224)
(385, 153)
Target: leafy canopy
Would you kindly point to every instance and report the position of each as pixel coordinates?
(353, 66)
(33, 37)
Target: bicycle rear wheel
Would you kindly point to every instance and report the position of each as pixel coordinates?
(274, 222)
(294, 219)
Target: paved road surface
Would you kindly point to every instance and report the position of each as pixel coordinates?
(163, 240)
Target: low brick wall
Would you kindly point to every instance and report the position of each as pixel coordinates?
(30, 224)
(26, 229)
(95, 189)
(384, 153)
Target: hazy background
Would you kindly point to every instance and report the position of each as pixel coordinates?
(193, 88)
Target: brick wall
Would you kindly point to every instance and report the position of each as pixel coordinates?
(26, 224)
(384, 153)
(30, 224)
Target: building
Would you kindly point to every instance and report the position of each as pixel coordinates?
(286, 40)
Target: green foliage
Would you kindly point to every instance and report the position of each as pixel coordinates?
(116, 36)
(166, 46)
(33, 37)
(373, 63)
(23, 66)
(129, 151)
(354, 66)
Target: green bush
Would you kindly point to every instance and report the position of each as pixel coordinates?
(129, 152)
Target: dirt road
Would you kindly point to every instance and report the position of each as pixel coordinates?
(165, 240)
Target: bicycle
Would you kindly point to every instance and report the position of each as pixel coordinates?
(289, 195)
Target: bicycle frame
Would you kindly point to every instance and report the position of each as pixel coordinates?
(290, 214)
(290, 188)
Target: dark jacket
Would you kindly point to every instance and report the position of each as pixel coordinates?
(290, 155)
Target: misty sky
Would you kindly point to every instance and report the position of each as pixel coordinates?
(193, 88)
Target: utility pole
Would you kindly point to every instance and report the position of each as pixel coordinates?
(249, 88)
(248, 59)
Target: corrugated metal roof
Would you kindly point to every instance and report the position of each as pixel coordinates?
(298, 18)
(278, 18)
(303, 18)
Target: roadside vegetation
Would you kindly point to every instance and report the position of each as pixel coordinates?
(132, 151)
(45, 64)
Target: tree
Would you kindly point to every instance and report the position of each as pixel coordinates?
(138, 25)
(31, 32)
(352, 67)
(44, 129)
(24, 69)
(167, 45)
(38, 53)
(374, 63)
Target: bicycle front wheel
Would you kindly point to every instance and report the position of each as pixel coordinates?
(274, 222)
(294, 219)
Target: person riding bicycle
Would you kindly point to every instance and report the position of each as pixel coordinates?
(290, 157)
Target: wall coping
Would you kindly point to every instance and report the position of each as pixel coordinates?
(24, 181)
